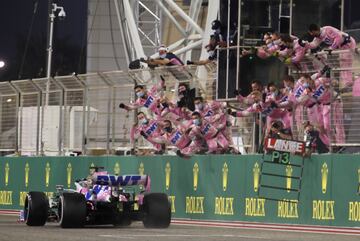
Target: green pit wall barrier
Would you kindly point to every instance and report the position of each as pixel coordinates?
(217, 187)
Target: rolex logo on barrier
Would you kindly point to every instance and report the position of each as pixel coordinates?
(256, 172)
(7, 170)
(47, 174)
(141, 169)
(27, 170)
(288, 171)
(324, 177)
(167, 175)
(117, 169)
(69, 172)
(195, 176)
(225, 171)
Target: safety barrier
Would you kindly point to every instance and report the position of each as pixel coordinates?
(217, 187)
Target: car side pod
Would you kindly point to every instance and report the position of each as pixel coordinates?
(72, 210)
(157, 210)
(36, 209)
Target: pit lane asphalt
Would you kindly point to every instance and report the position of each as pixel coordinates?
(11, 230)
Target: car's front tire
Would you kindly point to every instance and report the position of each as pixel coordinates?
(72, 210)
(36, 209)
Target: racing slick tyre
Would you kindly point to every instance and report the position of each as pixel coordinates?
(72, 210)
(157, 210)
(36, 209)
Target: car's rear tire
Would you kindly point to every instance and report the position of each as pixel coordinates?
(157, 210)
(72, 210)
(36, 209)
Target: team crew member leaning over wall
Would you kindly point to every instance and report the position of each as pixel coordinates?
(149, 129)
(148, 99)
(165, 58)
(179, 137)
(203, 130)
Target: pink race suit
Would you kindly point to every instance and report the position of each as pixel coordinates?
(150, 101)
(323, 95)
(151, 130)
(267, 51)
(181, 140)
(314, 112)
(337, 39)
(215, 140)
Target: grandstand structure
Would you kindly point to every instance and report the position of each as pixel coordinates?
(82, 114)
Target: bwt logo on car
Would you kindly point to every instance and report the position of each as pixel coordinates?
(113, 180)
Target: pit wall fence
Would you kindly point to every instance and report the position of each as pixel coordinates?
(216, 187)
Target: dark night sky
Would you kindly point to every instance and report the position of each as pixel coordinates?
(69, 38)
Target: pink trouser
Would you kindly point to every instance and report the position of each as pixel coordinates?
(338, 117)
(356, 87)
(315, 117)
(156, 145)
(346, 61)
(193, 148)
(218, 143)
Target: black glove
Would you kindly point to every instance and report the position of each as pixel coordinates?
(237, 92)
(230, 112)
(273, 104)
(326, 71)
(329, 51)
(301, 43)
(122, 106)
(143, 134)
(189, 62)
(165, 105)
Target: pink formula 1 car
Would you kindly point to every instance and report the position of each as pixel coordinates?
(101, 198)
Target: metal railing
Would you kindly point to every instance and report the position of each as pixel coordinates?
(82, 113)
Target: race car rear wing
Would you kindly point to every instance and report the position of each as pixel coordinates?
(122, 181)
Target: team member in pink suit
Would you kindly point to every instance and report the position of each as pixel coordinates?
(201, 129)
(213, 112)
(322, 94)
(272, 44)
(288, 101)
(148, 99)
(175, 114)
(149, 129)
(268, 108)
(179, 137)
(248, 100)
(335, 39)
(272, 111)
(314, 110)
